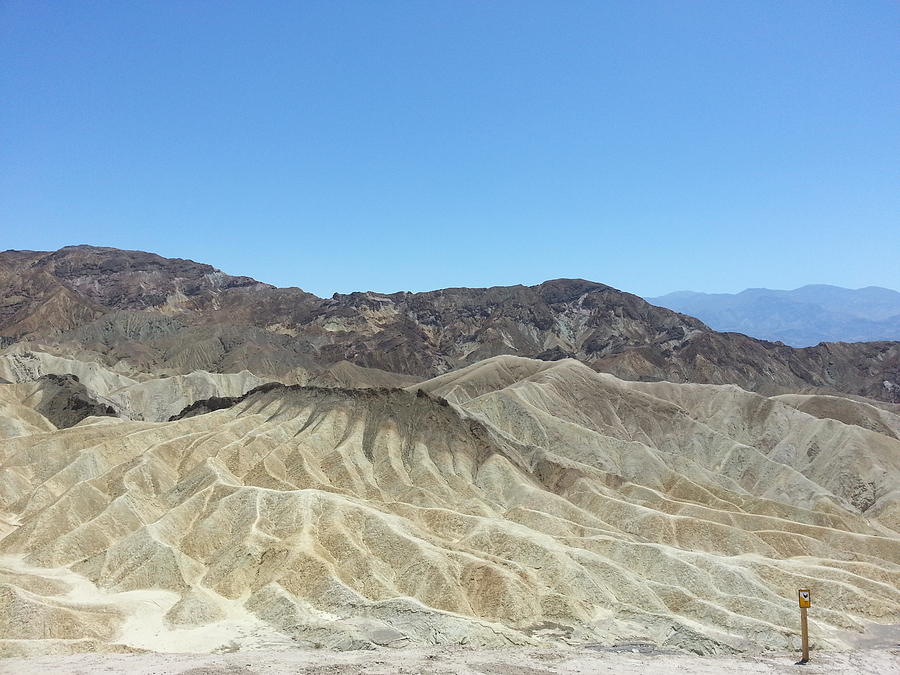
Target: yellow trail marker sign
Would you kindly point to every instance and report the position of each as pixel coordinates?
(804, 597)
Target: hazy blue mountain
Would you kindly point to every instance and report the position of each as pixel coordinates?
(801, 317)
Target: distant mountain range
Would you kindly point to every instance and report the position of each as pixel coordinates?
(802, 317)
(141, 313)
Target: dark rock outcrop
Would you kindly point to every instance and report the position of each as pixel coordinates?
(65, 401)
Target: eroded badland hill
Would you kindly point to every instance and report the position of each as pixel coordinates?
(191, 461)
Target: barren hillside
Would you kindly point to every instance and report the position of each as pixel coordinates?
(512, 502)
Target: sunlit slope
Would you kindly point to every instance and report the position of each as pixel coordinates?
(645, 431)
(17, 414)
(516, 501)
(883, 417)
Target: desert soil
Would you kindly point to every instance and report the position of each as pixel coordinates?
(518, 661)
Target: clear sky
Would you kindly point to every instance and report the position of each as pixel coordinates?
(342, 146)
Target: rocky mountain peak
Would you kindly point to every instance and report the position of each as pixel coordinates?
(112, 303)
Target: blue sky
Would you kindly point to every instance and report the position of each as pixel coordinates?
(342, 146)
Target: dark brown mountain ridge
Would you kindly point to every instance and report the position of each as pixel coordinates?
(172, 316)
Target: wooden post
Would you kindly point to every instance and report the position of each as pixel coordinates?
(804, 598)
(804, 635)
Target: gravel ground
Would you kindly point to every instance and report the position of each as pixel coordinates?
(454, 661)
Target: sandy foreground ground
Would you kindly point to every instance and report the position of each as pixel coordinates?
(514, 661)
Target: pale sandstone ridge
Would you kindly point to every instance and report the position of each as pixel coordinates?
(511, 502)
(145, 397)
